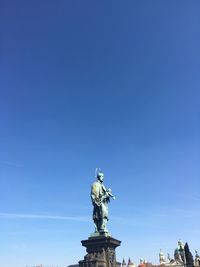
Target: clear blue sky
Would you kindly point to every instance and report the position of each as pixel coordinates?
(110, 84)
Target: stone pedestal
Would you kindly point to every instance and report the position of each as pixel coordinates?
(101, 252)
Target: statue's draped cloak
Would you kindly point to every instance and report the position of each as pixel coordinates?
(100, 210)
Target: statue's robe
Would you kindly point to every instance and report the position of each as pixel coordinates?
(100, 210)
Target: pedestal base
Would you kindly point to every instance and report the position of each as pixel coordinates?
(101, 252)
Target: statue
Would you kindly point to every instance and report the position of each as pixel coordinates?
(161, 257)
(179, 253)
(100, 197)
(197, 259)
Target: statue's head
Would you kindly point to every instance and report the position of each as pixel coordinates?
(100, 176)
(180, 244)
(161, 253)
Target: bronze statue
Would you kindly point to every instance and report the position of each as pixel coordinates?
(100, 197)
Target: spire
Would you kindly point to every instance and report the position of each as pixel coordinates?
(130, 262)
(123, 262)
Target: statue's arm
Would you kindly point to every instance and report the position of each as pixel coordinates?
(107, 193)
(93, 197)
(94, 194)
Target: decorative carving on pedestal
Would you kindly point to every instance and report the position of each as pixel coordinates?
(101, 252)
(112, 258)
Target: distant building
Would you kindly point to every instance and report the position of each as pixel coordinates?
(179, 259)
(130, 263)
(123, 263)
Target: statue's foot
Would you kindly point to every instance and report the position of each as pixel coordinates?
(103, 231)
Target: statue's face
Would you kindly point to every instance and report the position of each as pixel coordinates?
(101, 177)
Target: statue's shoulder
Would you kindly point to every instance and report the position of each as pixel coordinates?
(96, 185)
